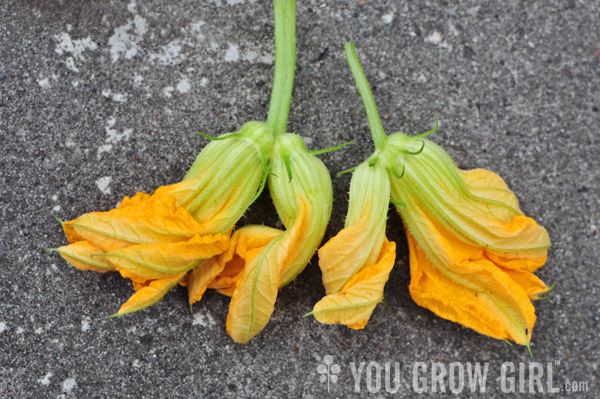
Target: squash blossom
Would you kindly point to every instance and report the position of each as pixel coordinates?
(472, 250)
(155, 240)
(301, 190)
(356, 263)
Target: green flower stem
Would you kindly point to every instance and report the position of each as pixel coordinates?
(379, 137)
(285, 64)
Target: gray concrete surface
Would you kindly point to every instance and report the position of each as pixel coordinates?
(100, 99)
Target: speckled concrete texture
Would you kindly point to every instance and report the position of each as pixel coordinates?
(100, 99)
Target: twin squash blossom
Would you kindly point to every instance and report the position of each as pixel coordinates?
(472, 250)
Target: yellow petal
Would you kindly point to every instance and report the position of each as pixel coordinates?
(80, 254)
(346, 253)
(246, 243)
(532, 285)
(358, 298)
(141, 220)
(201, 277)
(138, 273)
(168, 257)
(467, 288)
(254, 297)
(148, 295)
(517, 261)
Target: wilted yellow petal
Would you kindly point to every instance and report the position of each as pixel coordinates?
(141, 220)
(517, 261)
(532, 285)
(148, 295)
(254, 297)
(168, 257)
(201, 277)
(139, 274)
(358, 298)
(80, 254)
(246, 243)
(346, 253)
(458, 283)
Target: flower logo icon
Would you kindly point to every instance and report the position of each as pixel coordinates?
(328, 370)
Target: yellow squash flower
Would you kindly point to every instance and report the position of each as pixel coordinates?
(356, 263)
(155, 240)
(301, 190)
(472, 250)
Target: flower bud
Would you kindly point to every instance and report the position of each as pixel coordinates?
(356, 262)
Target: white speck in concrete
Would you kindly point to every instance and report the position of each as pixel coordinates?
(131, 7)
(44, 83)
(68, 385)
(268, 59)
(170, 54)
(38, 330)
(388, 18)
(70, 63)
(85, 323)
(20, 330)
(434, 37)
(204, 82)
(251, 56)
(54, 197)
(136, 363)
(232, 54)
(195, 27)
(119, 97)
(56, 209)
(46, 379)
(2, 327)
(452, 29)
(137, 79)
(140, 26)
(126, 38)
(421, 78)
(75, 47)
(112, 135)
(204, 320)
(168, 91)
(183, 86)
(107, 93)
(103, 184)
(75, 83)
(102, 149)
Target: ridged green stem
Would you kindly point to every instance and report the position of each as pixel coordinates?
(285, 64)
(379, 137)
